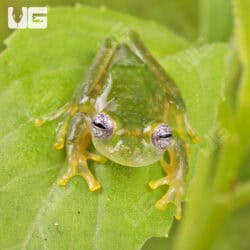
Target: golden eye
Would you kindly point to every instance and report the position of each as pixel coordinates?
(162, 136)
(102, 126)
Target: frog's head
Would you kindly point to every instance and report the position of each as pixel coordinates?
(130, 148)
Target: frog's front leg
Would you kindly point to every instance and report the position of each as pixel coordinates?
(176, 172)
(77, 142)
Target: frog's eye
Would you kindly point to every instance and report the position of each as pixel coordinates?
(102, 126)
(162, 136)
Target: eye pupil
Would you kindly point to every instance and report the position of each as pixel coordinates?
(99, 125)
(165, 136)
(102, 126)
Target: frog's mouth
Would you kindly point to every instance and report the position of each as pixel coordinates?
(136, 154)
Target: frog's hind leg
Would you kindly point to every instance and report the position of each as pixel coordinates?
(184, 127)
(53, 115)
(177, 105)
(78, 140)
(176, 172)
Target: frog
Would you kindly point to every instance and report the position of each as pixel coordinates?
(130, 111)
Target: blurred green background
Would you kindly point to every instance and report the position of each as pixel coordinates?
(200, 22)
(194, 19)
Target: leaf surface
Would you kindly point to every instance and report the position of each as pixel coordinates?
(39, 71)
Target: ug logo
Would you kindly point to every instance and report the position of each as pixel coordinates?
(32, 18)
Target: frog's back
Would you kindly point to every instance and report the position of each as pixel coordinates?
(133, 94)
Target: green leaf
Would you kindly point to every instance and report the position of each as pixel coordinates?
(181, 15)
(216, 20)
(235, 231)
(221, 184)
(38, 73)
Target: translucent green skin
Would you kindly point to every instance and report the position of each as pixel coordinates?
(133, 93)
(135, 102)
(127, 84)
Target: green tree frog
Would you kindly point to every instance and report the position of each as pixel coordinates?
(131, 111)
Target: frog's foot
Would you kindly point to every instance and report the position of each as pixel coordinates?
(160, 182)
(95, 157)
(93, 184)
(71, 172)
(174, 194)
(80, 168)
